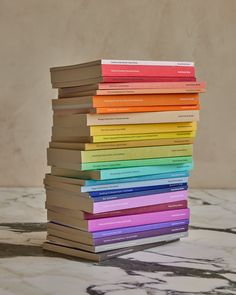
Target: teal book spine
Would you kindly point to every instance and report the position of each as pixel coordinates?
(138, 178)
(136, 163)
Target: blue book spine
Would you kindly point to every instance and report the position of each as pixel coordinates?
(134, 229)
(139, 194)
(134, 189)
(139, 178)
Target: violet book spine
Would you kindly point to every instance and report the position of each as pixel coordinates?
(133, 229)
(140, 235)
(138, 219)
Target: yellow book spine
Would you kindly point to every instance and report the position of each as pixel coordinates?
(148, 136)
(142, 128)
(137, 153)
(139, 143)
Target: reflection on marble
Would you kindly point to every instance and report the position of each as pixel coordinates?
(204, 263)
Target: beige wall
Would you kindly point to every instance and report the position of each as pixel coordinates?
(37, 34)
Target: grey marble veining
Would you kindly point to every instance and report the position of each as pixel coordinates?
(203, 263)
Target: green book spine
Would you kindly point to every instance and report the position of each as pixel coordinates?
(136, 163)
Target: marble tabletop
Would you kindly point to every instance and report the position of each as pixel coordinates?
(203, 263)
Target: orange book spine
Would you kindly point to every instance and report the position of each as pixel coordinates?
(143, 109)
(145, 100)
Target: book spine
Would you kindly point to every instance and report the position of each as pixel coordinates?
(145, 100)
(152, 85)
(175, 173)
(136, 202)
(140, 235)
(142, 91)
(140, 228)
(117, 110)
(134, 220)
(137, 184)
(130, 144)
(124, 185)
(142, 118)
(147, 71)
(125, 129)
(136, 163)
(142, 171)
(153, 208)
(135, 153)
(109, 195)
(131, 63)
(121, 79)
(143, 137)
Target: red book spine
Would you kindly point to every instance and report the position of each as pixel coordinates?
(154, 208)
(147, 70)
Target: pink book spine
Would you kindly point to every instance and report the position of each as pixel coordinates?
(148, 70)
(137, 219)
(121, 79)
(136, 202)
(152, 85)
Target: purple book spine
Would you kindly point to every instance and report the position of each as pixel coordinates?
(134, 229)
(140, 235)
(137, 219)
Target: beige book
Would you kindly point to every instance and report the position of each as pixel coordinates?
(81, 120)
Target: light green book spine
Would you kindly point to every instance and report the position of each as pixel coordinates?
(136, 163)
(137, 153)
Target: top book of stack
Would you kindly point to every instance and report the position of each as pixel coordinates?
(114, 71)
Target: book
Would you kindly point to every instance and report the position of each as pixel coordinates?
(82, 120)
(98, 257)
(126, 163)
(119, 71)
(71, 158)
(90, 237)
(116, 110)
(74, 135)
(119, 144)
(122, 184)
(128, 91)
(116, 186)
(70, 91)
(73, 200)
(133, 91)
(84, 182)
(166, 166)
(106, 244)
(114, 130)
(120, 221)
(132, 100)
(182, 204)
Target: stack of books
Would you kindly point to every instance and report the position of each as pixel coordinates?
(120, 156)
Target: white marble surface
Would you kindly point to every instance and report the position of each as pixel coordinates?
(204, 263)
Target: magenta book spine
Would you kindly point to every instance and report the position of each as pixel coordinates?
(137, 219)
(147, 70)
(141, 201)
